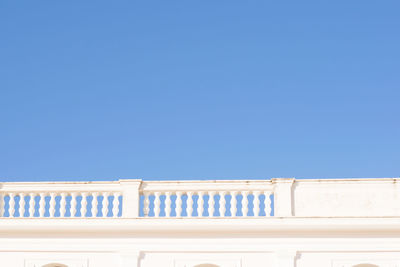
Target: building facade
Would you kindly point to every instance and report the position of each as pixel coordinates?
(281, 222)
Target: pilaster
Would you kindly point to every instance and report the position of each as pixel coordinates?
(283, 197)
(131, 197)
(285, 258)
(130, 258)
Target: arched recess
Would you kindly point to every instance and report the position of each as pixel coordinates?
(365, 265)
(55, 265)
(206, 265)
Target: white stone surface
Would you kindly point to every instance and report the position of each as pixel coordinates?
(316, 223)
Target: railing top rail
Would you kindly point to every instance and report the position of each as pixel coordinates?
(59, 187)
(347, 180)
(210, 181)
(207, 185)
(62, 183)
(181, 185)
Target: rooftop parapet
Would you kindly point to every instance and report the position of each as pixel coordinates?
(278, 197)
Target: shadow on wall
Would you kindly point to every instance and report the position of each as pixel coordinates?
(206, 265)
(365, 265)
(55, 265)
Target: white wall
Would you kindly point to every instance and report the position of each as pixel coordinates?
(317, 223)
(330, 198)
(189, 252)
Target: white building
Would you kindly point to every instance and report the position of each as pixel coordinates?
(252, 223)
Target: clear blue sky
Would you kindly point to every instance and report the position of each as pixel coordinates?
(98, 90)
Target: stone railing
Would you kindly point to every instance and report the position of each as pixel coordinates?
(48, 200)
(207, 199)
(280, 197)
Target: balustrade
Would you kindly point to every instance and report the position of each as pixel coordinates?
(207, 199)
(153, 199)
(281, 197)
(57, 204)
(60, 200)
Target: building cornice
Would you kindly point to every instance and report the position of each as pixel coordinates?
(277, 227)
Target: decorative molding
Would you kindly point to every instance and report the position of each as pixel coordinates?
(366, 260)
(54, 260)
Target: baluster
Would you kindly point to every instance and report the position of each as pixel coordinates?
(211, 204)
(146, 204)
(11, 205)
(256, 202)
(223, 204)
(42, 204)
(52, 208)
(217, 199)
(83, 204)
(200, 204)
(104, 210)
(95, 204)
(1, 204)
(73, 204)
(32, 203)
(168, 204)
(245, 203)
(189, 204)
(178, 202)
(267, 204)
(157, 204)
(21, 209)
(63, 205)
(115, 207)
(233, 203)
